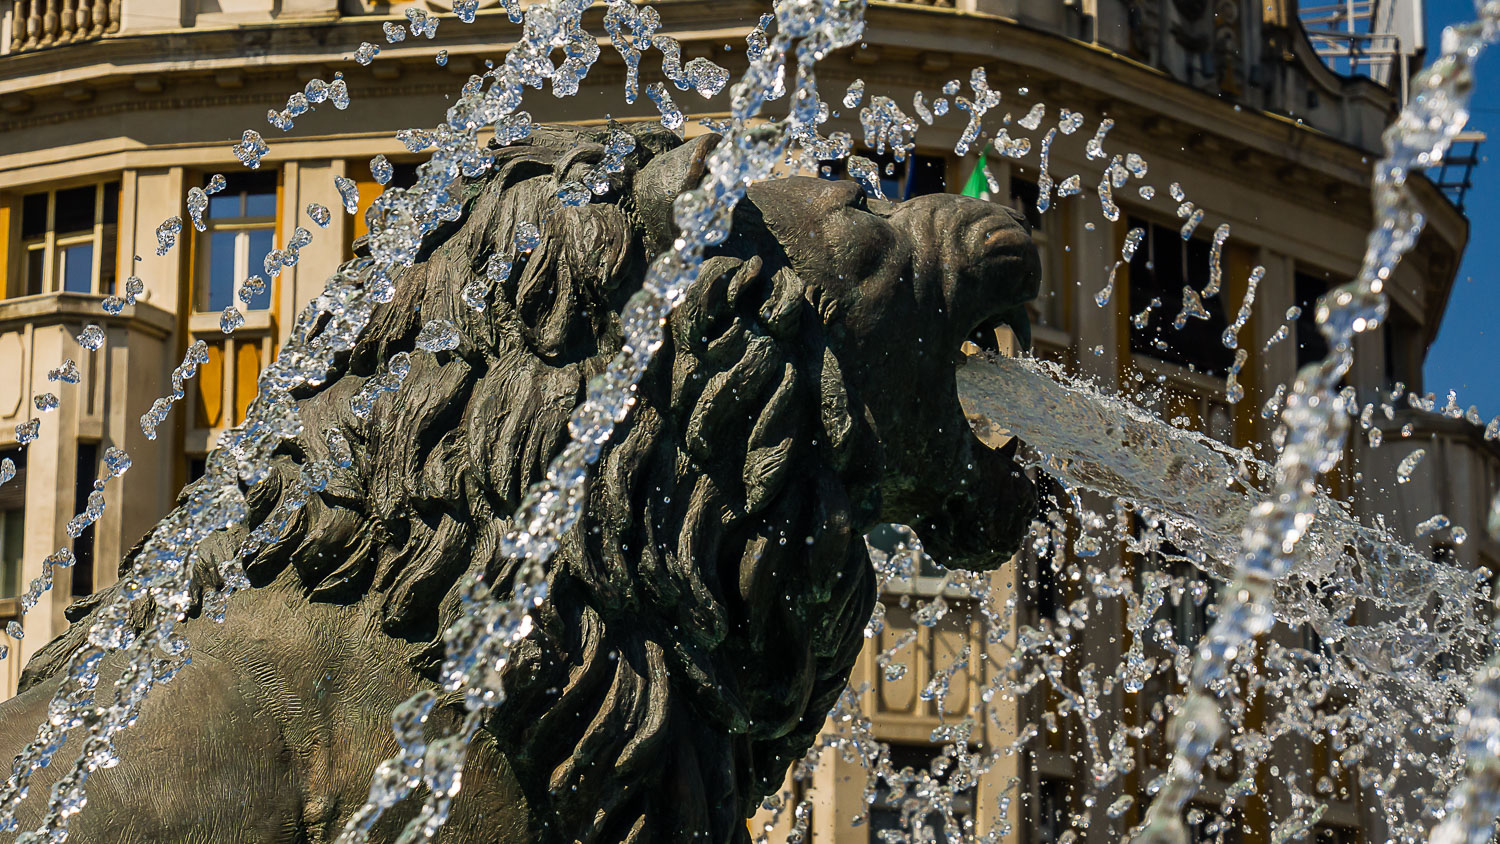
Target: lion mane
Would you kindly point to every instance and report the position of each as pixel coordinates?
(704, 614)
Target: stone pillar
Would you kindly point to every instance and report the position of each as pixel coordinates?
(1093, 251)
(147, 198)
(1001, 728)
(153, 15)
(136, 361)
(50, 474)
(306, 9)
(306, 182)
(1277, 365)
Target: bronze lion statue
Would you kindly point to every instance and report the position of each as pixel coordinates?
(705, 613)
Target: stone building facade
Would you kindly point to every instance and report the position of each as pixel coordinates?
(110, 110)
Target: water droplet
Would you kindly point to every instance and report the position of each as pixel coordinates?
(166, 234)
(251, 149)
(348, 192)
(382, 170)
(367, 52)
(231, 320)
(438, 335)
(67, 373)
(528, 237)
(319, 214)
(28, 431)
(854, 94)
(1033, 118)
(253, 287)
(1408, 465)
(197, 203)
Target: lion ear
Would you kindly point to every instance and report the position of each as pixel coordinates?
(660, 182)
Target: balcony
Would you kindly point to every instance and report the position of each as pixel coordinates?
(29, 25)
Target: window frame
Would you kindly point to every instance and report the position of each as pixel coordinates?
(242, 227)
(1142, 341)
(52, 244)
(13, 501)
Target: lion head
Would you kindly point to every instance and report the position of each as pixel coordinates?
(706, 611)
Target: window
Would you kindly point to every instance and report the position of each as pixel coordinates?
(13, 527)
(403, 175)
(1043, 562)
(918, 175)
(1163, 265)
(890, 815)
(1336, 835)
(1311, 345)
(1206, 825)
(1190, 598)
(1047, 308)
(83, 546)
(1403, 349)
(1051, 810)
(240, 230)
(68, 241)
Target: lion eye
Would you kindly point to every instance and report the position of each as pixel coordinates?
(996, 236)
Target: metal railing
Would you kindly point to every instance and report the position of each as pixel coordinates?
(1365, 38)
(38, 24)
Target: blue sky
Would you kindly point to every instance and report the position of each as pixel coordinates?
(1464, 356)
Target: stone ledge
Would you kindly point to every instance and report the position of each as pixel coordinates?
(53, 308)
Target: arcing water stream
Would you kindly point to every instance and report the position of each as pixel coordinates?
(1380, 678)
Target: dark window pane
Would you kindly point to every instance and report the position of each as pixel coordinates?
(1163, 265)
(1051, 811)
(220, 271)
(75, 210)
(899, 180)
(12, 540)
(887, 813)
(1311, 345)
(928, 175)
(108, 254)
(35, 260)
(403, 175)
(83, 546)
(242, 189)
(197, 466)
(34, 215)
(12, 526)
(77, 270)
(261, 242)
(1026, 194)
(111, 203)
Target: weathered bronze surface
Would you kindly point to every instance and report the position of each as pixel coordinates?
(705, 613)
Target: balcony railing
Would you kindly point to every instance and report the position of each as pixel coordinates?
(37, 24)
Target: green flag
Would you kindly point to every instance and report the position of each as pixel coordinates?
(979, 183)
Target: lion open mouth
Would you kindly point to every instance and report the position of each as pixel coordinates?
(986, 335)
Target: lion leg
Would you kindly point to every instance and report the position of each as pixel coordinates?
(184, 774)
